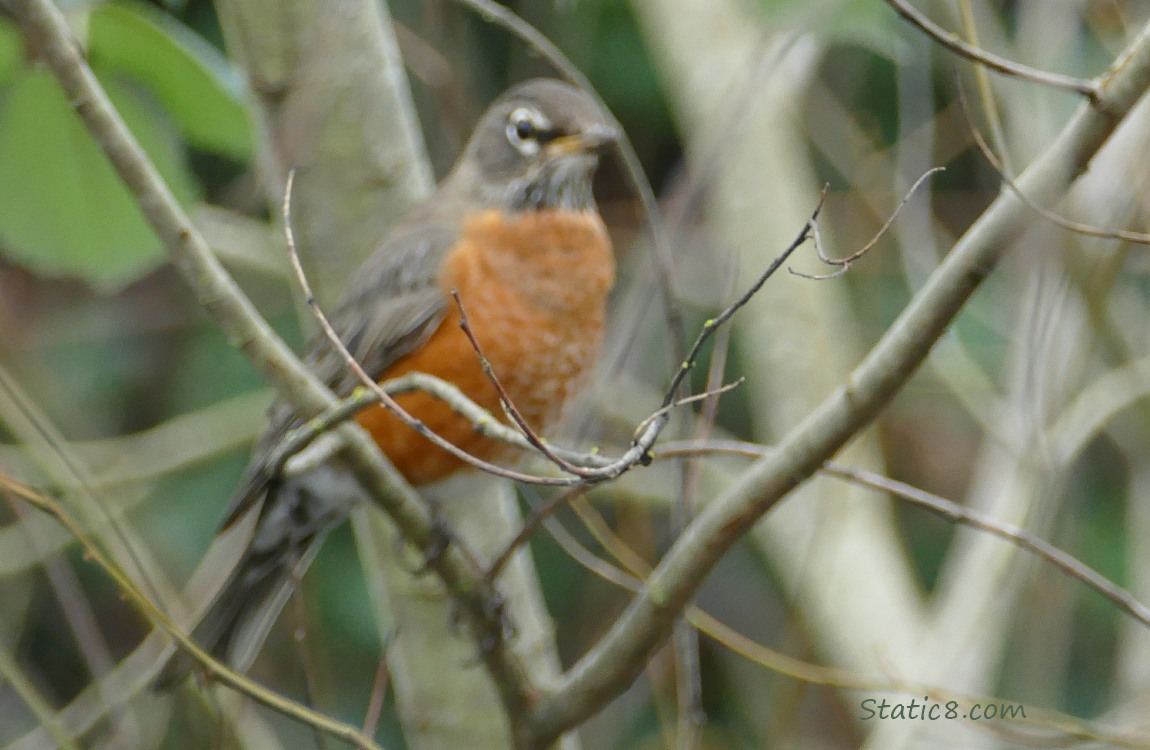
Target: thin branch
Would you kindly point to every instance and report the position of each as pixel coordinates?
(343, 412)
(1057, 557)
(378, 688)
(618, 657)
(300, 639)
(546, 511)
(997, 165)
(1087, 88)
(982, 76)
(844, 264)
(710, 326)
(586, 468)
(707, 394)
(590, 469)
(538, 516)
(483, 421)
(533, 438)
(149, 610)
(941, 506)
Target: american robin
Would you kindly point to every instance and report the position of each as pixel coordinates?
(513, 228)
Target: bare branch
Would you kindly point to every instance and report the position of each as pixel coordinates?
(538, 516)
(378, 688)
(710, 326)
(584, 469)
(368, 381)
(997, 165)
(533, 438)
(710, 393)
(941, 506)
(845, 263)
(1089, 89)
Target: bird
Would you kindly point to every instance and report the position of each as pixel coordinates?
(513, 229)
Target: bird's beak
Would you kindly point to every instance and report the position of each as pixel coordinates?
(592, 139)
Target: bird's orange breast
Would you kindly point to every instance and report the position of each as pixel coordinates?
(534, 287)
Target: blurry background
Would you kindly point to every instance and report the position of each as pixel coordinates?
(1032, 409)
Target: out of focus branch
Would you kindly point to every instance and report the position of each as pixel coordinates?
(1090, 89)
(149, 610)
(941, 506)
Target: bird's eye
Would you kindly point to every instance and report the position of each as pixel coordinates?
(524, 129)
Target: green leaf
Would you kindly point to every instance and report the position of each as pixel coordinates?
(188, 76)
(63, 211)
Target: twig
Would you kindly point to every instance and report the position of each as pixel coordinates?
(948, 509)
(649, 429)
(530, 525)
(710, 326)
(585, 469)
(539, 515)
(710, 393)
(378, 688)
(997, 165)
(1057, 557)
(485, 423)
(1089, 89)
(533, 438)
(982, 76)
(688, 661)
(300, 639)
(845, 263)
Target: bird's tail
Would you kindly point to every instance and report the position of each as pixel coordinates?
(294, 517)
(239, 620)
(283, 544)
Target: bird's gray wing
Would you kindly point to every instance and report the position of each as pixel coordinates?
(391, 306)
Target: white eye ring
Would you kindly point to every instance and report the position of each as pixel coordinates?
(524, 125)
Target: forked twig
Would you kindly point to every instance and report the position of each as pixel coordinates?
(538, 516)
(710, 326)
(844, 264)
(483, 421)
